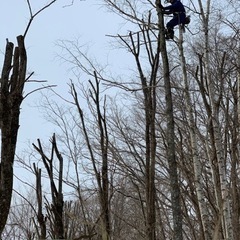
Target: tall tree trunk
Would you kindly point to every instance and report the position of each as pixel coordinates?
(10, 100)
(193, 137)
(236, 152)
(224, 205)
(171, 152)
(148, 86)
(101, 176)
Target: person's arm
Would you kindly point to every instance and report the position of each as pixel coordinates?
(165, 8)
(173, 7)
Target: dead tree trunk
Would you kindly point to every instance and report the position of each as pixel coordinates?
(55, 210)
(12, 82)
(40, 216)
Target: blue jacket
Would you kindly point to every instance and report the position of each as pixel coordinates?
(175, 8)
(179, 14)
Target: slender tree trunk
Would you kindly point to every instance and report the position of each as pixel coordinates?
(148, 86)
(40, 216)
(171, 152)
(193, 137)
(150, 113)
(238, 96)
(236, 153)
(224, 207)
(101, 176)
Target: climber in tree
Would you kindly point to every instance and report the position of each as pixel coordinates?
(179, 16)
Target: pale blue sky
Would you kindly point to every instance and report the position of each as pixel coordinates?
(86, 20)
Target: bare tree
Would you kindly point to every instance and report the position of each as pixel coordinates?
(128, 162)
(102, 174)
(193, 136)
(55, 209)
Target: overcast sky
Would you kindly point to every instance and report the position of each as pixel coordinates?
(86, 20)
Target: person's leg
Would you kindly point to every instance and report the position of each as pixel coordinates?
(169, 33)
(182, 18)
(170, 26)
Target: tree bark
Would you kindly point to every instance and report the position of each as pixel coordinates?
(171, 152)
(40, 216)
(11, 95)
(224, 204)
(193, 137)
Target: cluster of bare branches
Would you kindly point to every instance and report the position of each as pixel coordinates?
(164, 163)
